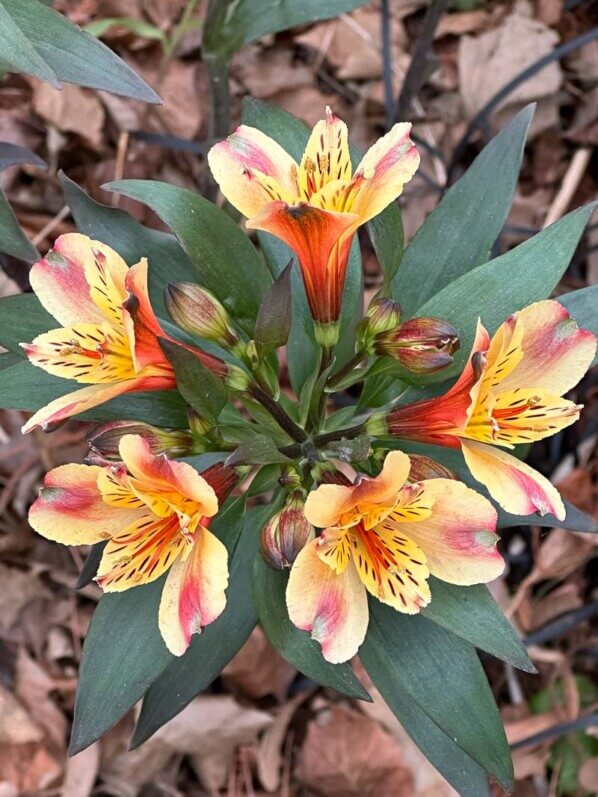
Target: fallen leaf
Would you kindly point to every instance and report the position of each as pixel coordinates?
(345, 753)
(588, 774)
(269, 754)
(81, 772)
(462, 22)
(519, 729)
(265, 71)
(258, 670)
(33, 687)
(72, 110)
(19, 588)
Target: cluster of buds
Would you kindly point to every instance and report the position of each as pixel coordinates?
(199, 312)
(104, 441)
(286, 533)
(420, 345)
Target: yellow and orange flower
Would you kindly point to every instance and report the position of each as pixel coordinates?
(154, 514)
(385, 536)
(317, 205)
(109, 335)
(509, 392)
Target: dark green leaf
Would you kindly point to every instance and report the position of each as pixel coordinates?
(386, 235)
(202, 390)
(296, 646)
(273, 324)
(122, 655)
(166, 260)
(41, 42)
(12, 154)
(583, 306)
(258, 450)
(472, 613)
(459, 233)
(231, 24)
(90, 565)
(22, 318)
(226, 262)
(211, 650)
(443, 676)
(265, 480)
(13, 240)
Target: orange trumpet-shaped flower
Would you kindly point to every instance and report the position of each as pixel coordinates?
(386, 536)
(154, 514)
(317, 205)
(509, 392)
(109, 335)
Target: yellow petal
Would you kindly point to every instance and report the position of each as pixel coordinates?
(458, 538)
(334, 549)
(70, 508)
(251, 170)
(525, 415)
(194, 592)
(326, 157)
(556, 353)
(334, 609)
(518, 488)
(114, 486)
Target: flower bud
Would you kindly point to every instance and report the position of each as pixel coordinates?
(383, 315)
(196, 310)
(222, 479)
(105, 439)
(421, 345)
(285, 534)
(423, 467)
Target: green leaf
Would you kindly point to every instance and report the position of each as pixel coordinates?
(458, 235)
(139, 27)
(211, 650)
(12, 154)
(258, 450)
(296, 646)
(13, 240)
(273, 324)
(508, 283)
(25, 387)
(202, 390)
(166, 260)
(582, 305)
(472, 614)
(91, 565)
(264, 481)
(226, 262)
(386, 235)
(231, 24)
(41, 42)
(420, 656)
(22, 318)
(122, 655)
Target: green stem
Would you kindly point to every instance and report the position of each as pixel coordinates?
(220, 97)
(278, 413)
(347, 434)
(325, 361)
(175, 40)
(353, 363)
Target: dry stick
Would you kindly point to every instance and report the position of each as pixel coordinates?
(51, 225)
(119, 166)
(575, 172)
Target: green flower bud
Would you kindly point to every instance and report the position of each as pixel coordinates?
(383, 315)
(198, 311)
(105, 438)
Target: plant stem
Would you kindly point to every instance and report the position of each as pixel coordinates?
(175, 40)
(316, 419)
(355, 361)
(220, 97)
(347, 434)
(278, 413)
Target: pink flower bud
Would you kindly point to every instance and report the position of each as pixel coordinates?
(198, 311)
(285, 534)
(421, 345)
(105, 438)
(423, 467)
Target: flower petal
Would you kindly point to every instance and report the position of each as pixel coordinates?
(525, 415)
(329, 502)
(252, 170)
(321, 240)
(334, 609)
(63, 279)
(155, 471)
(326, 157)
(70, 508)
(556, 353)
(518, 488)
(384, 170)
(194, 592)
(86, 398)
(458, 538)
(141, 322)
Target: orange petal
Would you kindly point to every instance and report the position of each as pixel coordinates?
(156, 472)
(251, 170)
(142, 325)
(384, 170)
(326, 505)
(70, 508)
(72, 286)
(326, 157)
(556, 353)
(321, 240)
(194, 592)
(334, 609)
(518, 488)
(458, 538)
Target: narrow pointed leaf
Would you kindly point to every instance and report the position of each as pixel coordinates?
(273, 324)
(13, 240)
(258, 450)
(386, 235)
(202, 390)
(13, 154)
(583, 306)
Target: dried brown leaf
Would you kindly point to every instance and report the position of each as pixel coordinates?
(258, 670)
(72, 110)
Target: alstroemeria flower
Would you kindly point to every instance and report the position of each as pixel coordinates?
(317, 205)
(385, 536)
(154, 514)
(509, 392)
(109, 335)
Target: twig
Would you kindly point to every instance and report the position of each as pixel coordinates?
(119, 166)
(51, 225)
(572, 178)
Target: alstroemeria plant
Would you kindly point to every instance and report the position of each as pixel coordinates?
(343, 522)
